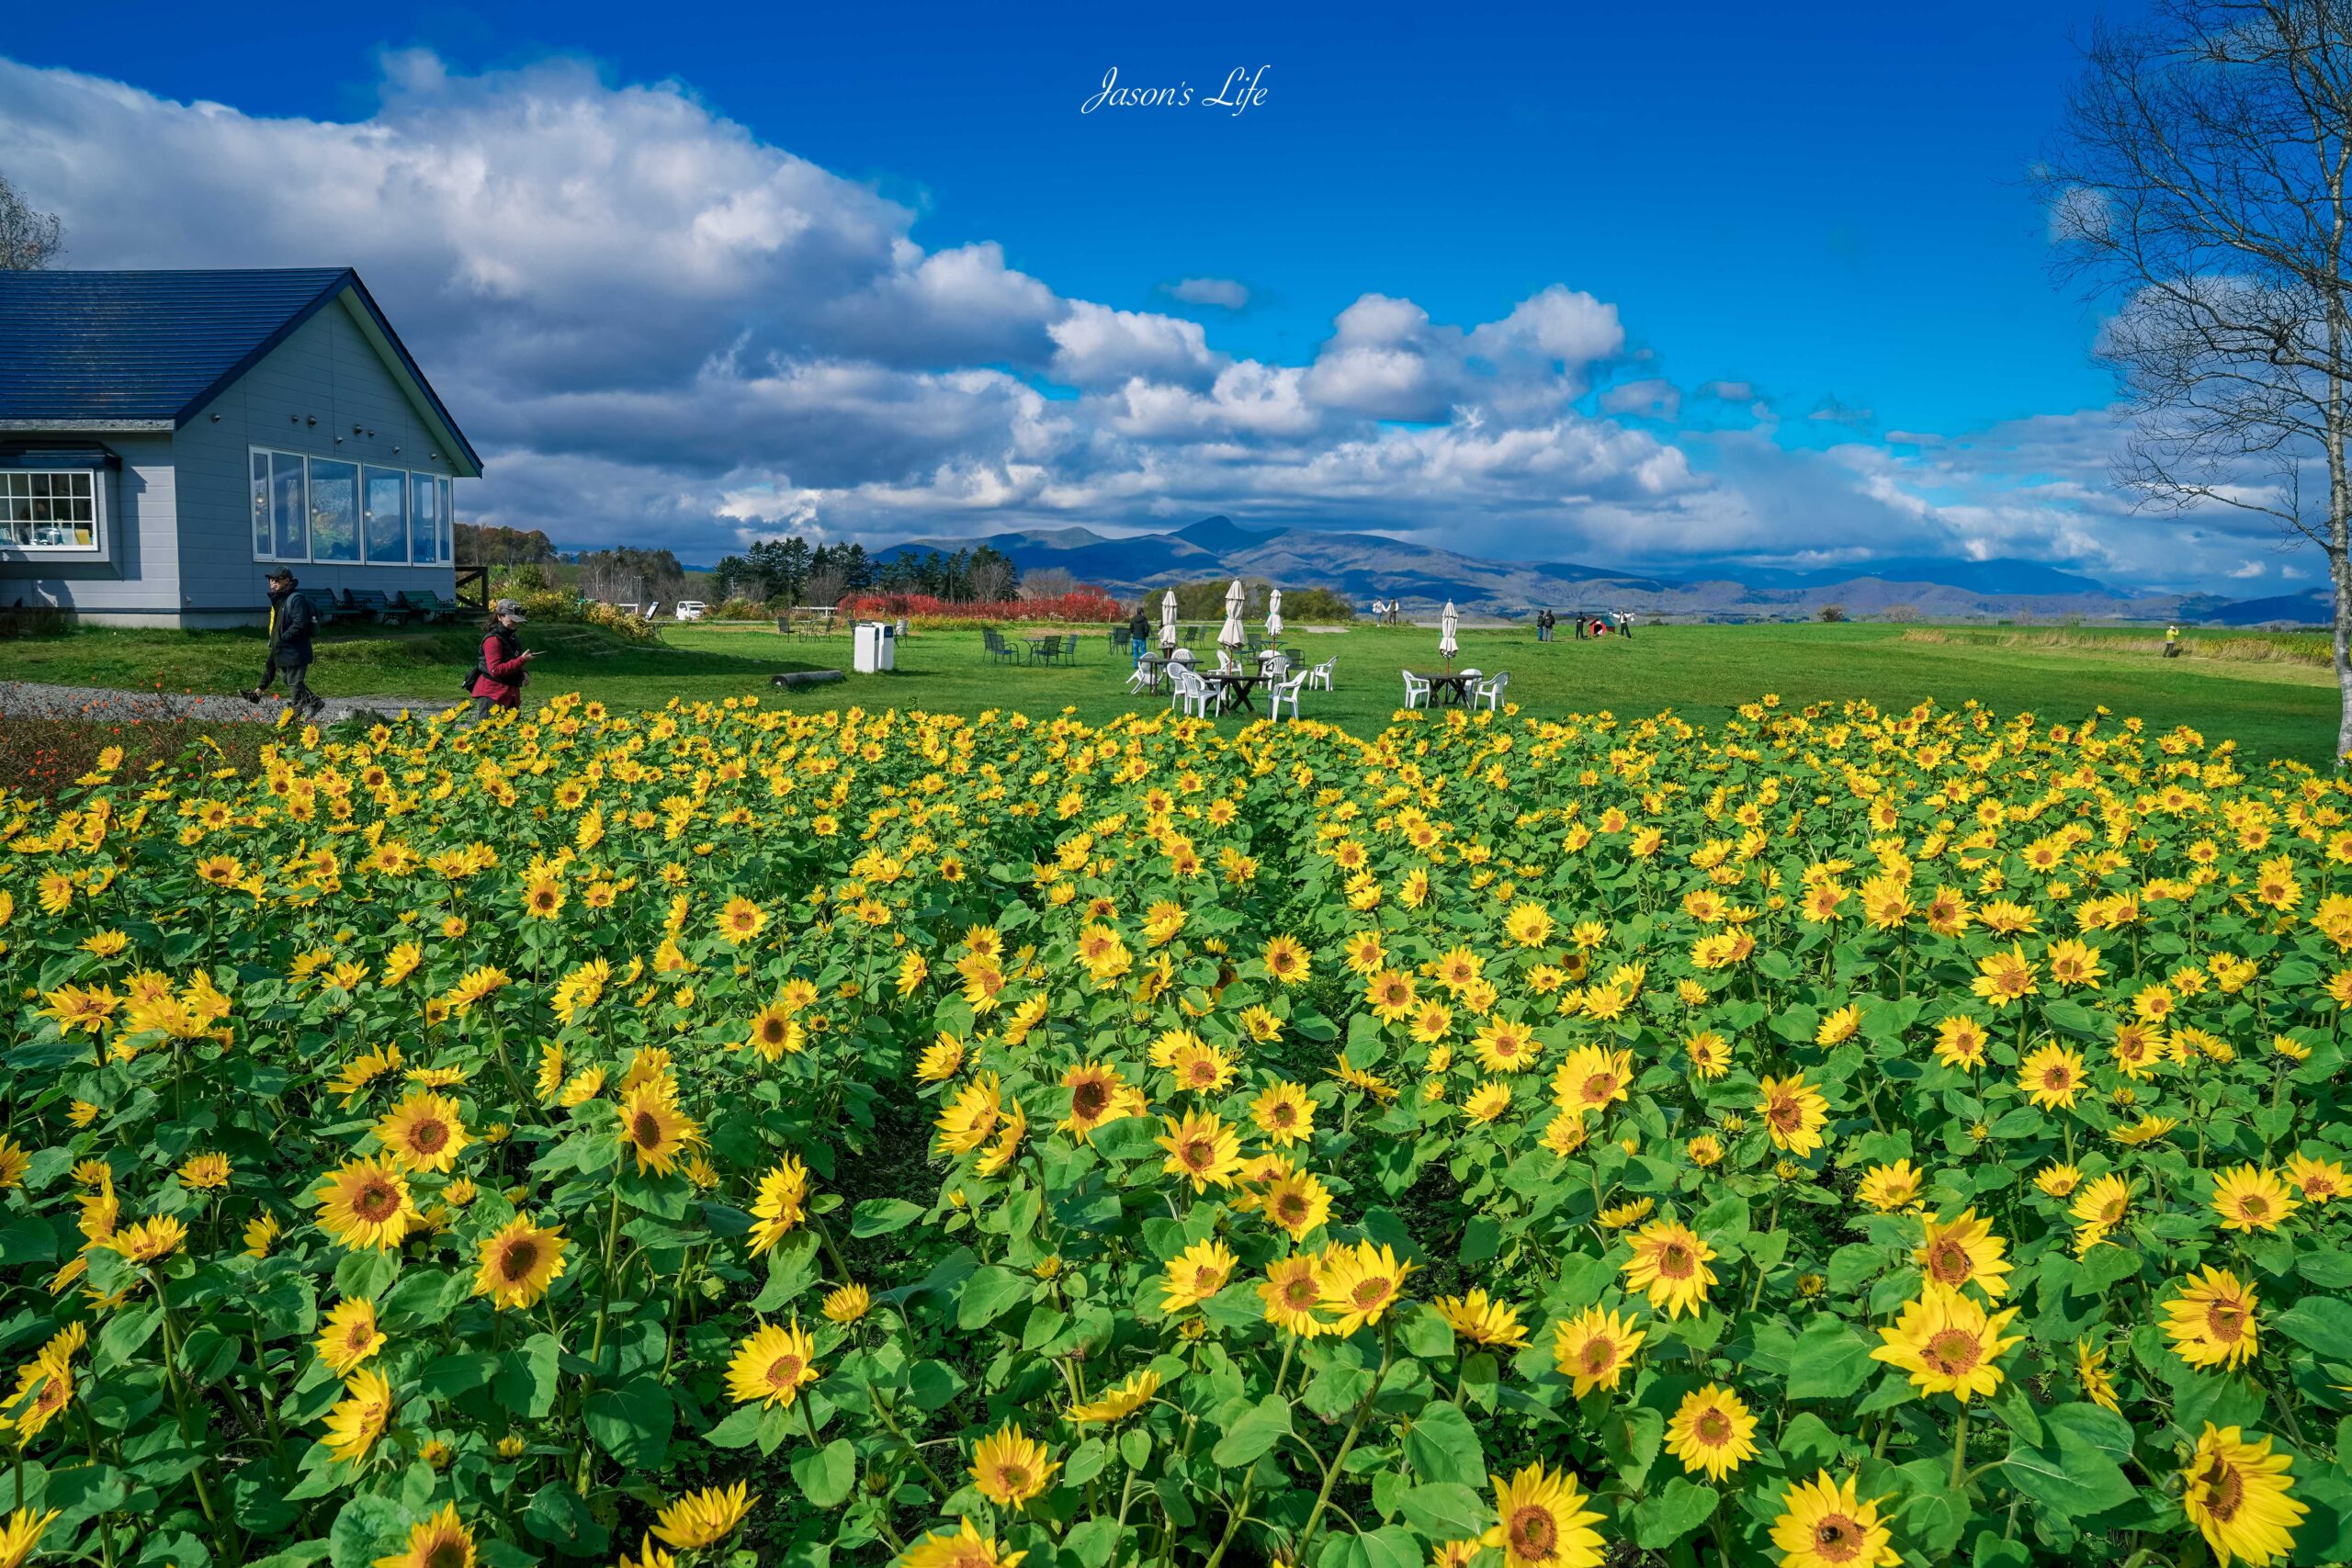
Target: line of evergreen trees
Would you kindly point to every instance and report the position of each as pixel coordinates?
(795, 571)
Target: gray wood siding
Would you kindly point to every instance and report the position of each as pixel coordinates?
(326, 371)
(141, 569)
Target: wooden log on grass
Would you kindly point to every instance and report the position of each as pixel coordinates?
(805, 678)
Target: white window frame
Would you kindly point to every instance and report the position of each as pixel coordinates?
(443, 497)
(98, 545)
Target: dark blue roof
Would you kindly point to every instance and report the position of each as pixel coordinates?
(98, 347)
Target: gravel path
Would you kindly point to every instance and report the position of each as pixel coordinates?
(35, 699)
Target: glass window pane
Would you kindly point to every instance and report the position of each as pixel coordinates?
(335, 510)
(424, 520)
(386, 525)
(289, 522)
(448, 524)
(261, 504)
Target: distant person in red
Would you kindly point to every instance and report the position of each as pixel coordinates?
(504, 663)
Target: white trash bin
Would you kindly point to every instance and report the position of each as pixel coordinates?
(874, 648)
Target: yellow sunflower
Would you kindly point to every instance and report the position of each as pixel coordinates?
(2052, 1077)
(1964, 1251)
(1542, 1521)
(1670, 1262)
(349, 1335)
(366, 1204)
(1794, 1112)
(1593, 1348)
(1360, 1283)
(359, 1418)
(518, 1262)
(1946, 1344)
(1012, 1468)
(437, 1541)
(1201, 1149)
(1293, 1289)
(770, 1368)
(1195, 1274)
(705, 1518)
(1117, 1402)
(2251, 1199)
(650, 1123)
(1824, 1525)
(1475, 1317)
(1712, 1430)
(423, 1132)
(2240, 1498)
(2211, 1321)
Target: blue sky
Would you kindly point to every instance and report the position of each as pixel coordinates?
(1801, 233)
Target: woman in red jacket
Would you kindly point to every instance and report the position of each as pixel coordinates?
(504, 664)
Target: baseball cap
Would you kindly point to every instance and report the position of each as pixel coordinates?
(508, 607)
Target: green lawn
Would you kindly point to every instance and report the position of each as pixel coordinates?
(2273, 707)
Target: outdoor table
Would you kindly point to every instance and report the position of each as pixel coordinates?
(1156, 666)
(1236, 684)
(1037, 644)
(1456, 682)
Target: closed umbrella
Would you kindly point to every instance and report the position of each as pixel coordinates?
(1447, 620)
(1168, 619)
(1274, 613)
(1232, 635)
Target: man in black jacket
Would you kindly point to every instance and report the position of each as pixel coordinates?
(291, 621)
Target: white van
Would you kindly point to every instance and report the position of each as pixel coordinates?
(691, 610)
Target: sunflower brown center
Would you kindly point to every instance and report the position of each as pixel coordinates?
(521, 1257)
(1714, 1428)
(1785, 1112)
(429, 1138)
(376, 1202)
(1534, 1533)
(1837, 1539)
(1370, 1292)
(1949, 1262)
(784, 1371)
(1598, 1354)
(1952, 1351)
(2254, 1206)
(1089, 1098)
(2224, 1319)
(1674, 1260)
(2225, 1490)
(1600, 1086)
(646, 1128)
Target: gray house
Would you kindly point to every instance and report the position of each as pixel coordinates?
(167, 438)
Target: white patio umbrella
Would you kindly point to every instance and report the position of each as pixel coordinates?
(1447, 620)
(1232, 635)
(1168, 619)
(1274, 613)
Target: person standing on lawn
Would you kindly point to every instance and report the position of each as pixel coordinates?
(291, 622)
(504, 664)
(1138, 632)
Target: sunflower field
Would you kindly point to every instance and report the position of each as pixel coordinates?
(722, 1136)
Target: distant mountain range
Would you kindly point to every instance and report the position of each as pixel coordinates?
(1364, 567)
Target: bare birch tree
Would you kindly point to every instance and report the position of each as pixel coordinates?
(27, 239)
(2197, 188)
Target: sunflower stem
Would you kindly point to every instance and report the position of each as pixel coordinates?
(1960, 1449)
(1347, 1443)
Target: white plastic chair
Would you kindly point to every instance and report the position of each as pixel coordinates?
(1286, 692)
(1417, 690)
(1319, 678)
(1190, 691)
(1490, 692)
(1140, 680)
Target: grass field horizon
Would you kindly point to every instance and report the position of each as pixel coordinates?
(2272, 704)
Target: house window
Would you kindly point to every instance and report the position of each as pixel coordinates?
(48, 509)
(336, 512)
(384, 521)
(426, 520)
